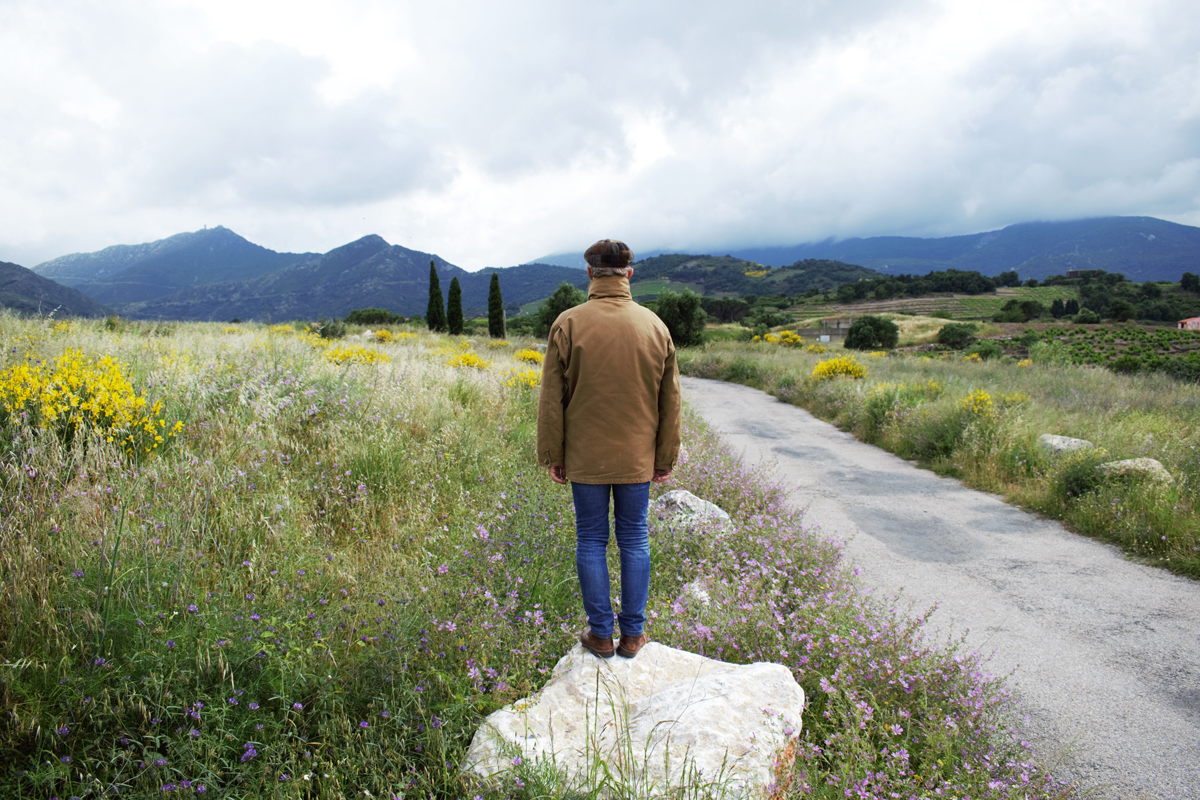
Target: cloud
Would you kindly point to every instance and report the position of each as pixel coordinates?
(494, 132)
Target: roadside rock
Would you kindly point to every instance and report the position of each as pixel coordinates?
(1062, 444)
(682, 506)
(1143, 468)
(667, 718)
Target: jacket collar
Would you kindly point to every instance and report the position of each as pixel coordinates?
(609, 286)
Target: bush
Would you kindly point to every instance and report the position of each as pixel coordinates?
(957, 334)
(372, 316)
(872, 333)
(986, 349)
(1127, 364)
(1087, 317)
(683, 316)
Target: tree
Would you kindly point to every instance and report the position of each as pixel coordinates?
(1009, 278)
(564, 297)
(1190, 282)
(1087, 317)
(495, 309)
(372, 316)
(1058, 309)
(1121, 311)
(454, 320)
(435, 314)
(683, 316)
(1072, 307)
(869, 333)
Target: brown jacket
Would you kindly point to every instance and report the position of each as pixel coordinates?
(610, 407)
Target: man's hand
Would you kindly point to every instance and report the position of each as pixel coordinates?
(558, 474)
(661, 475)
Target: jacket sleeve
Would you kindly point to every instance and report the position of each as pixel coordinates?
(666, 449)
(551, 447)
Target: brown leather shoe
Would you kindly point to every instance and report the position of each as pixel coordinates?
(596, 645)
(629, 646)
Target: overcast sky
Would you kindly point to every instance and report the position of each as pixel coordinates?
(494, 132)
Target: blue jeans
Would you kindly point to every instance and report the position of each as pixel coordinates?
(630, 503)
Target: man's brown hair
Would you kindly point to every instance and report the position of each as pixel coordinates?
(609, 257)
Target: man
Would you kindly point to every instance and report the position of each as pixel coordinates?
(608, 422)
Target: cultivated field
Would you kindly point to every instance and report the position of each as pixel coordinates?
(245, 561)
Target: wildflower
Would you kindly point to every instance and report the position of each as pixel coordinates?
(77, 573)
(841, 365)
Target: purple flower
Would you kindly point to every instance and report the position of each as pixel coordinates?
(78, 573)
(362, 724)
(170, 643)
(65, 759)
(63, 731)
(297, 706)
(253, 706)
(192, 608)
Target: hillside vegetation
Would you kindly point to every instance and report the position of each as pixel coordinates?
(262, 563)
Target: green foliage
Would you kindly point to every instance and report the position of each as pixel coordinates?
(495, 309)
(1087, 317)
(564, 297)
(328, 328)
(1121, 311)
(957, 334)
(1190, 282)
(1016, 310)
(872, 333)
(1071, 307)
(683, 316)
(986, 349)
(454, 312)
(726, 309)
(372, 316)
(1058, 309)
(435, 312)
(1009, 278)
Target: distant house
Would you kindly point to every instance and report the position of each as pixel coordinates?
(832, 328)
(1192, 324)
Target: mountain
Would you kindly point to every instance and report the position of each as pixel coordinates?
(367, 273)
(25, 291)
(723, 276)
(125, 274)
(1142, 248)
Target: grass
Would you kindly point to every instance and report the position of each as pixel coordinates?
(913, 405)
(338, 567)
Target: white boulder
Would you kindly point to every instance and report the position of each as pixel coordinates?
(1137, 468)
(1062, 444)
(665, 720)
(680, 505)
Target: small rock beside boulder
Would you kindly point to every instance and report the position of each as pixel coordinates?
(1062, 444)
(664, 720)
(680, 505)
(1137, 468)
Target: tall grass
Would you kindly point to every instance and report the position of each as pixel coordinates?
(919, 407)
(322, 585)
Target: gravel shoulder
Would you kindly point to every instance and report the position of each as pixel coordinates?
(1104, 654)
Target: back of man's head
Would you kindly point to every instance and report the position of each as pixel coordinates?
(609, 257)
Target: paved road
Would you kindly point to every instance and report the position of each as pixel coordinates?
(1104, 653)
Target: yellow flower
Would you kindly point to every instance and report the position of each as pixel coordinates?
(1025, 362)
(978, 404)
(841, 365)
(522, 379)
(466, 359)
(355, 354)
(531, 356)
(816, 348)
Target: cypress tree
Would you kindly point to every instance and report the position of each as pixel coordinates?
(495, 309)
(435, 314)
(454, 320)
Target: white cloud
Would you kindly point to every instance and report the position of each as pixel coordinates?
(493, 132)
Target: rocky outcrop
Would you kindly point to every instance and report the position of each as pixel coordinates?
(681, 506)
(666, 719)
(1062, 444)
(1137, 469)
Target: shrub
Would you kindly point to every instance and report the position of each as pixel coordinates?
(372, 316)
(1087, 317)
(328, 328)
(529, 356)
(870, 333)
(957, 334)
(835, 367)
(1127, 363)
(683, 316)
(986, 349)
(354, 354)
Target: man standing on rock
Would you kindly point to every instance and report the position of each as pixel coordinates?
(609, 422)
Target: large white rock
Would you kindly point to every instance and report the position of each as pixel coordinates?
(667, 718)
(680, 505)
(1062, 444)
(1148, 468)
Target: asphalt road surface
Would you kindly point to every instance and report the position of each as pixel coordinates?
(1104, 654)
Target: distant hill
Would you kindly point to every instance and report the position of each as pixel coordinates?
(1142, 248)
(367, 273)
(25, 291)
(125, 274)
(724, 276)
